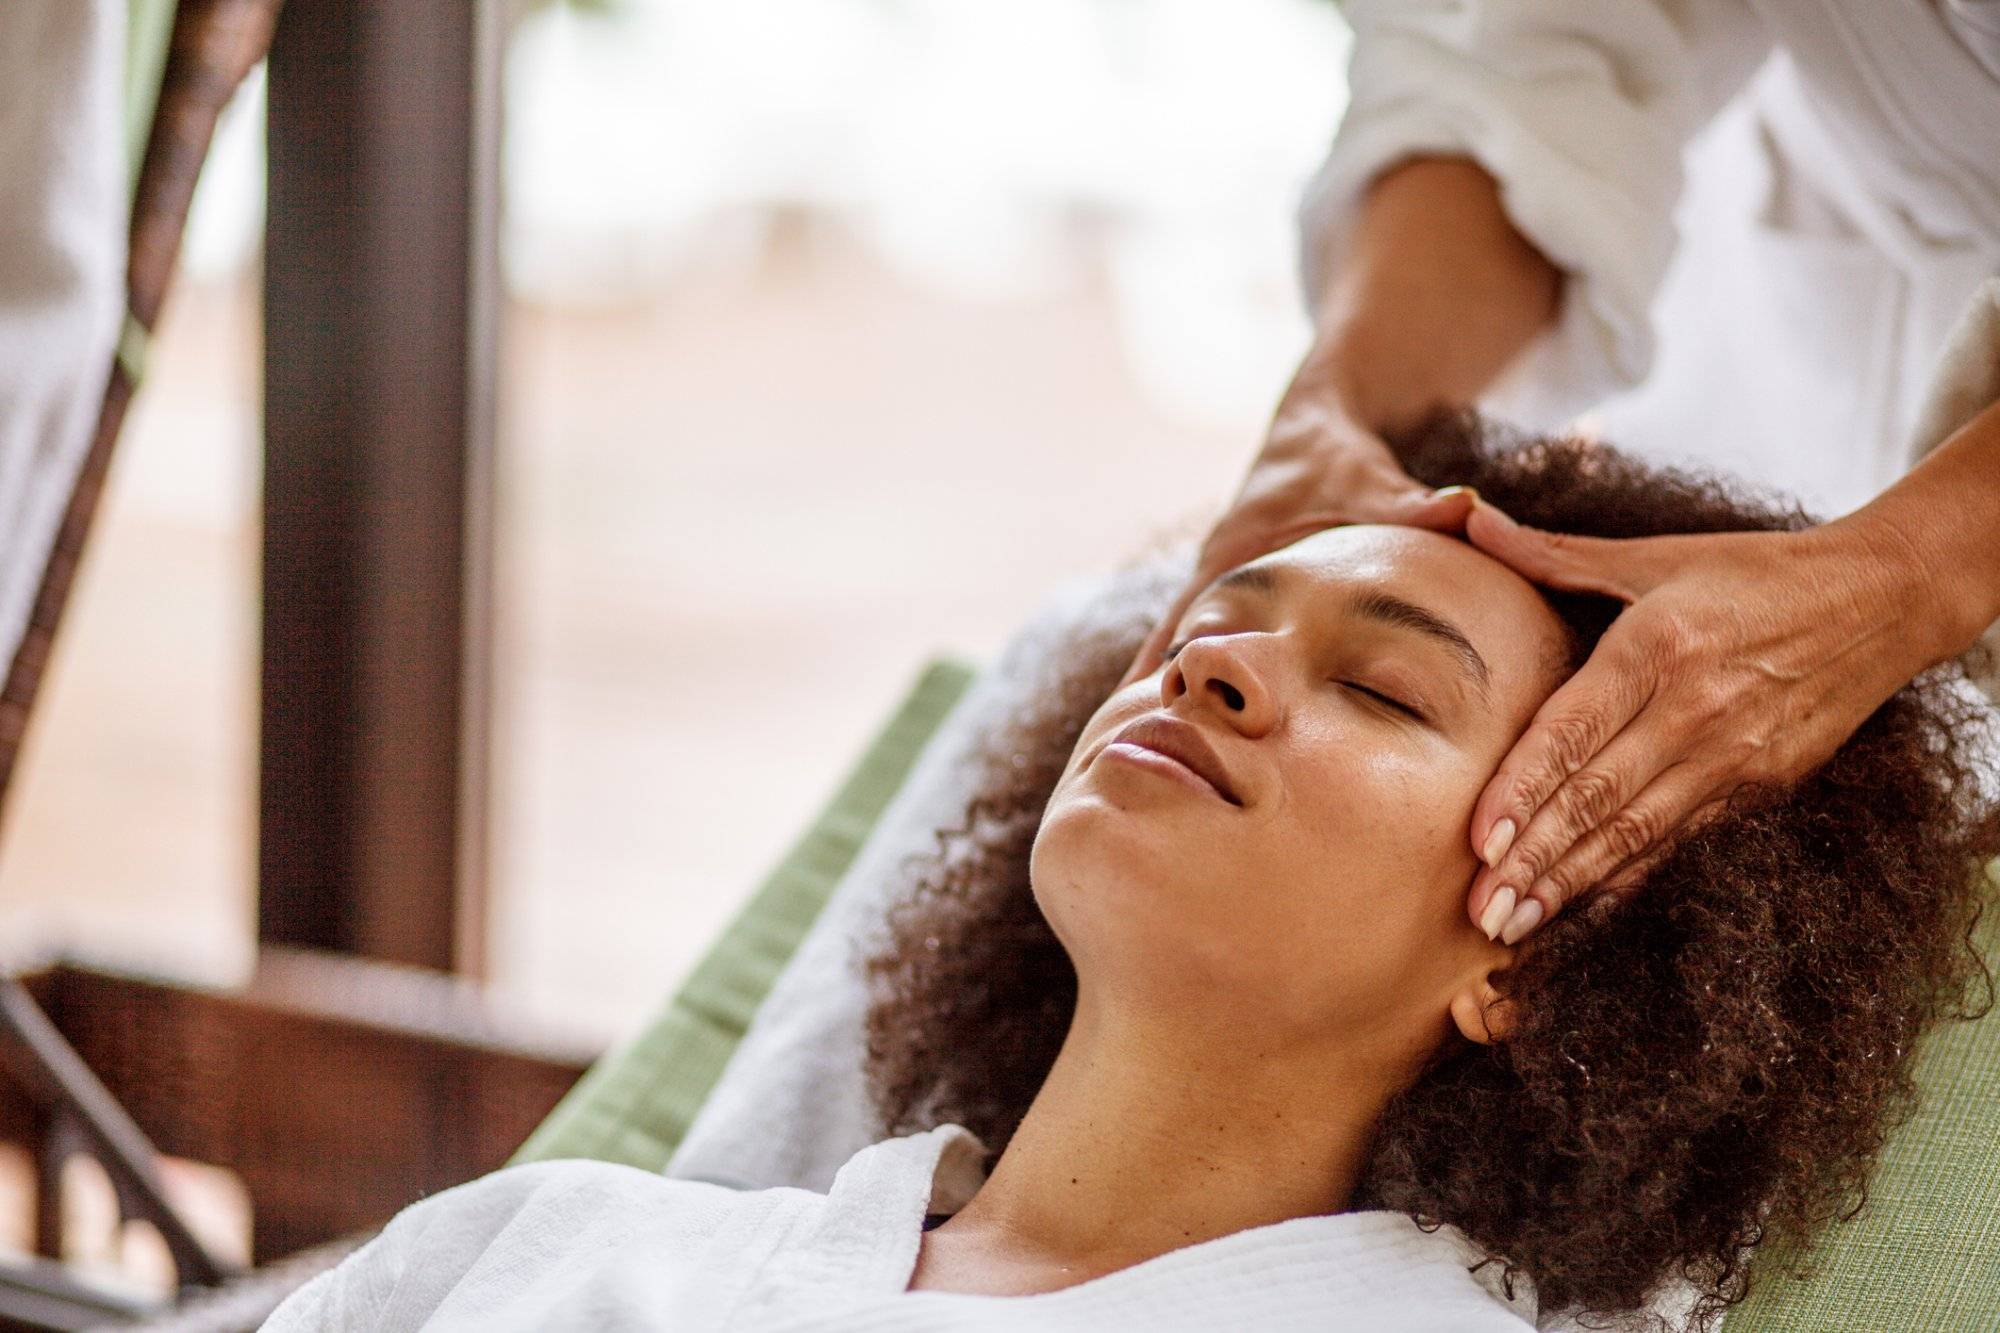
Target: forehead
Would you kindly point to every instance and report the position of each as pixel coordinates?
(1503, 614)
(1357, 550)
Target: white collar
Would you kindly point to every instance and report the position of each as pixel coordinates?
(872, 1228)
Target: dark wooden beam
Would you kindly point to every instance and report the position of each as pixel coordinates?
(379, 319)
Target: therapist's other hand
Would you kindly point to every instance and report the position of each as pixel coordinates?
(1743, 657)
(1317, 469)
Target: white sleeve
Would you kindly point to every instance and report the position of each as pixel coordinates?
(1580, 110)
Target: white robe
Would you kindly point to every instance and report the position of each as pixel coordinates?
(592, 1246)
(1771, 303)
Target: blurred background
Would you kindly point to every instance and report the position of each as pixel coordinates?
(835, 333)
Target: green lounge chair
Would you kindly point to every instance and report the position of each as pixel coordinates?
(1922, 1257)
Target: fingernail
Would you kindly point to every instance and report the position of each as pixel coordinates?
(1526, 917)
(1498, 908)
(1454, 490)
(1498, 839)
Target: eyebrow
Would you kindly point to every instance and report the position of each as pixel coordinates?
(1383, 607)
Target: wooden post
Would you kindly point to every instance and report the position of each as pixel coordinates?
(379, 321)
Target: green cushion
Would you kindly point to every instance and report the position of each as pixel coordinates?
(637, 1102)
(149, 26)
(1924, 1255)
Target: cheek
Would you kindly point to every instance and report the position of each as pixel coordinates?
(1377, 813)
(1373, 845)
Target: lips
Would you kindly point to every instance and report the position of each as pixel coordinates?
(1184, 743)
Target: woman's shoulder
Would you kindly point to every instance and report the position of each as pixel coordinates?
(545, 1219)
(582, 1184)
(578, 1190)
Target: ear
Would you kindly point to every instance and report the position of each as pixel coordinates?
(1481, 1012)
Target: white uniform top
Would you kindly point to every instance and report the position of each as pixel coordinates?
(591, 1246)
(1838, 203)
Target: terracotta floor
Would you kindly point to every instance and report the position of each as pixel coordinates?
(733, 525)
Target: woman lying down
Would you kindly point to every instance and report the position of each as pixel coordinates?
(1196, 967)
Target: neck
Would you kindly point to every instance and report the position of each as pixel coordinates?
(1143, 1141)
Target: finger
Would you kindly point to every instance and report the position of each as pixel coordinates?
(1625, 846)
(1571, 726)
(1153, 649)
(1581, 804)
(1611, 567)
(1232, 543)
(1150, 651)
(1443, 510)
(1630, 875)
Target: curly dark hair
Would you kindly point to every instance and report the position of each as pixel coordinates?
(1702, 1066)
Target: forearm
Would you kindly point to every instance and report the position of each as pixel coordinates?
(1435, 296)
(1939, 526)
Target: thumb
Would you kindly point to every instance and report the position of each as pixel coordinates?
(1441, 511)
(1608, 566)
(1154, 647)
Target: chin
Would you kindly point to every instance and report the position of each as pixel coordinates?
(1097, 862)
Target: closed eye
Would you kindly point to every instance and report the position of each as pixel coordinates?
(1388, 700)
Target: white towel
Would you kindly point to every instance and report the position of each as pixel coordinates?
(63, 224)
(790, 1107)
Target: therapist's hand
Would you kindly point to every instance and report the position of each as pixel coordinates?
(1745, 657)
(1318, 468)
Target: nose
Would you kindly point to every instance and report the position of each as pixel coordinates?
(1220, 671)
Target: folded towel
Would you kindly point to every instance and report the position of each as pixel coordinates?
(63, 222)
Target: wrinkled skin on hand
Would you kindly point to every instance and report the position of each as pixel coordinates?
(1741, 658)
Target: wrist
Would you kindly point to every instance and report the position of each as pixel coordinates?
(1436, 294)
(1940, 597)
(1941, 522)
(1359, 392)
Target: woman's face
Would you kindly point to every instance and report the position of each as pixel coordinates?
(1355, 690)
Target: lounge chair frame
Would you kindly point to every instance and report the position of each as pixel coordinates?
(337, 1086)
